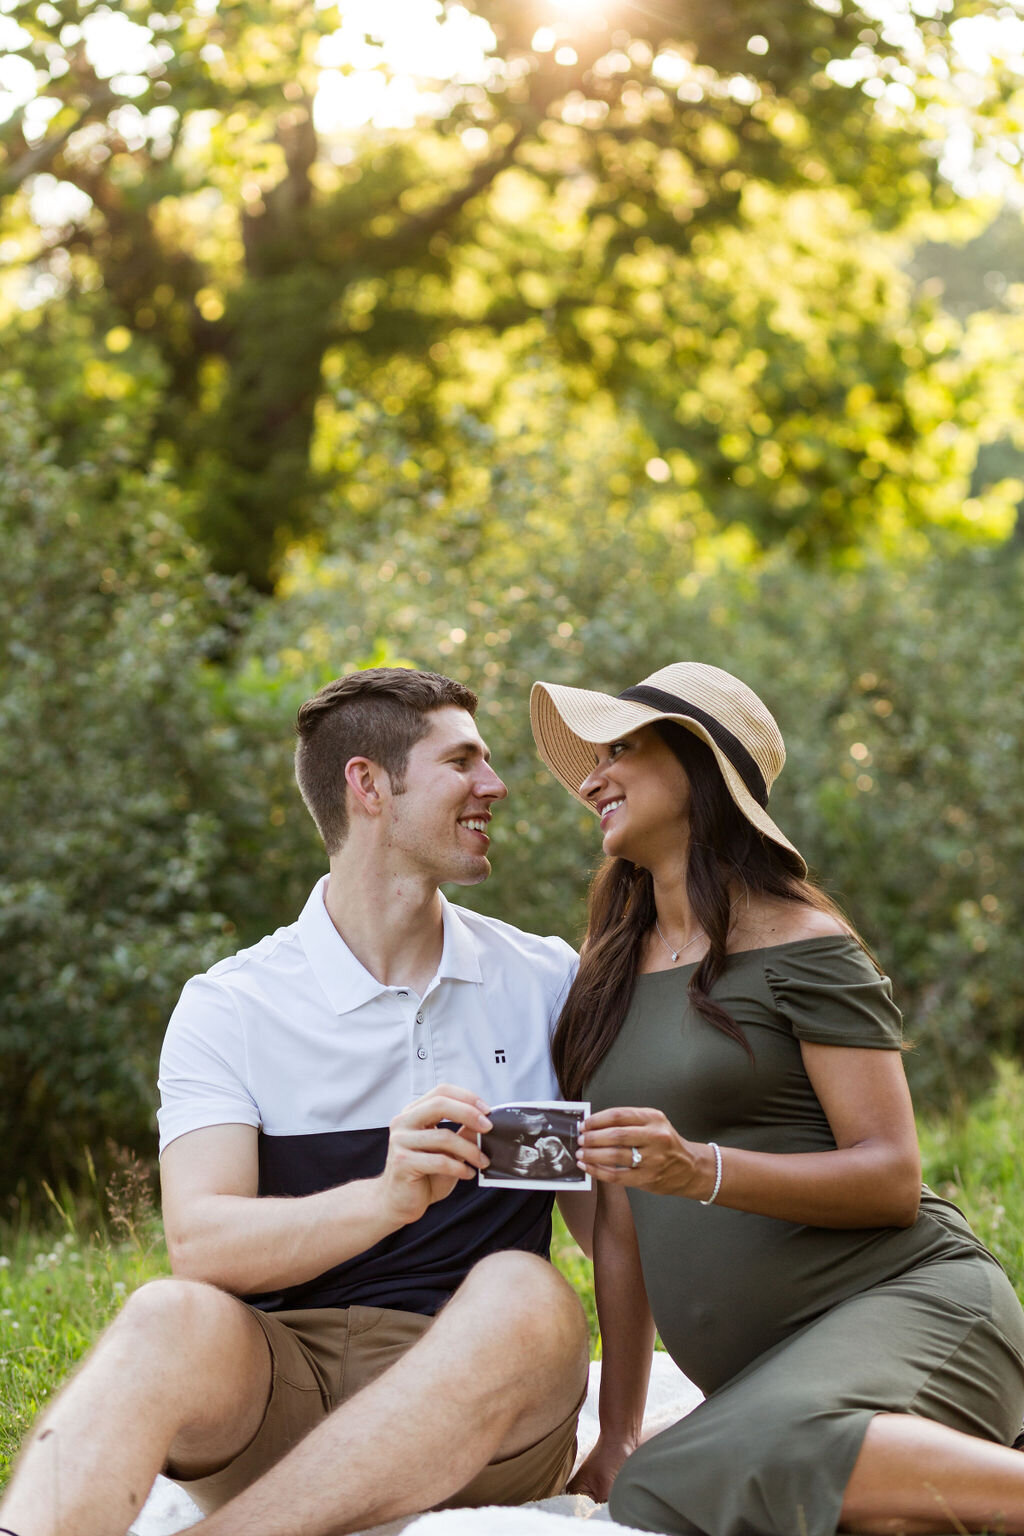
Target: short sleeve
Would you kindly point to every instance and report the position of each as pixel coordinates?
(203, 1064)
(830, 993)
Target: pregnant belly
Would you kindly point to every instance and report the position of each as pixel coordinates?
(725, 1286)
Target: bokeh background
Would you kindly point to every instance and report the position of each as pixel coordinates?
(513, 339)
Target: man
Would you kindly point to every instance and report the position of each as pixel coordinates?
(346, 1389)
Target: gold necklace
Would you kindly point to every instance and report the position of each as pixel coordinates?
(675, 953)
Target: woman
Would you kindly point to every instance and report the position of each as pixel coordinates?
(861, 1353)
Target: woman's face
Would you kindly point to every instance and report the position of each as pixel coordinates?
(642, 795)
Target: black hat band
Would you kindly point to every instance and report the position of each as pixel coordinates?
(720, 734)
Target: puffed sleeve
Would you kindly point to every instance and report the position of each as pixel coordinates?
(203, 1075)
(829, 992)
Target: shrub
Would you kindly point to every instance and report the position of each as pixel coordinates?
(897, 684)
(145, 750)
(113, 784)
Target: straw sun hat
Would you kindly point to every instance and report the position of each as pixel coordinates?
(726, 715)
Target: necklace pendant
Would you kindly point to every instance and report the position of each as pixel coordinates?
(674, 953)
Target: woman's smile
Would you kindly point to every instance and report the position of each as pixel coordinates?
(641, 769)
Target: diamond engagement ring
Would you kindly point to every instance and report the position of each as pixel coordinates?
(636, 1155)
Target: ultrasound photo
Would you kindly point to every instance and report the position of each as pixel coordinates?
(533, 1146)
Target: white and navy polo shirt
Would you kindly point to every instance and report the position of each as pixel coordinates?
(295, 1037)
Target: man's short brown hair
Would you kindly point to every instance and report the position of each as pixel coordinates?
(379, 714)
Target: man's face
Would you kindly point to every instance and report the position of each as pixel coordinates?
(440, 822)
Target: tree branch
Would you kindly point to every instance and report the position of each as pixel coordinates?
(501, 318)
(42, 154)
(70, 234)
(420, 226)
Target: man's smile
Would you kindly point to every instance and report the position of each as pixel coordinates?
(477, 824)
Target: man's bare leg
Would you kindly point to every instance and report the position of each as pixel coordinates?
(183, 1370)
(504, 1364)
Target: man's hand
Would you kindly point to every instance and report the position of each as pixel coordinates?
(427, 1159)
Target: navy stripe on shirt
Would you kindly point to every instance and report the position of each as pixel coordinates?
(418, 1267)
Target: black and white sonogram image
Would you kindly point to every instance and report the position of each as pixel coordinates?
(533, 1146)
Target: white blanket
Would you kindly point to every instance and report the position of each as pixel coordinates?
(671, 1395)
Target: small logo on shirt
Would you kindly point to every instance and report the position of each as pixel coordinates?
(499, 1058)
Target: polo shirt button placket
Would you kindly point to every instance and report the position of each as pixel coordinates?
(422, 1076)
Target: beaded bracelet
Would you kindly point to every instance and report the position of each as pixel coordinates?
(716, 1149)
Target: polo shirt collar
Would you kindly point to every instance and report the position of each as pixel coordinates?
(459, 958)
(346, 982)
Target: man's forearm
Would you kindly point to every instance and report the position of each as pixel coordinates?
(249, 1245)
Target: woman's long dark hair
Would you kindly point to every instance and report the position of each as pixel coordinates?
(725, 852)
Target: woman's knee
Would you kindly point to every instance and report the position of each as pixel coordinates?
(638, 1500)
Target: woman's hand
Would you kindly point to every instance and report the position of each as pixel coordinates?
(871, 1177)
(668, 1165)
(599, 1470)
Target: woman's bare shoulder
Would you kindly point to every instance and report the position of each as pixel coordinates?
(763, 922)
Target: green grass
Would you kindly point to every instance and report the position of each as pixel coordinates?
(577, 1270)
(63, 1279)
(57, 1292)
(976, 1159)
(61, 1282)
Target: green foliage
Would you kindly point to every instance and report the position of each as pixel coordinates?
(526, 389)
(114, 824)
(146, 758)
(973, 1157)
(624, 193)
(152, 820)
(897, 686)
(985, 274)
(907, 792)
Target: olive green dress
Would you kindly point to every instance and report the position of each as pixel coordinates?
(797, 1335)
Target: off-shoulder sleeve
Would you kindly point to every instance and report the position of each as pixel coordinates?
(830, 993)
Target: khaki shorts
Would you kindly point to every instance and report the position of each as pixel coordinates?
(322, 1357)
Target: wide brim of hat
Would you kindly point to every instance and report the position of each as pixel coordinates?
(568, 723)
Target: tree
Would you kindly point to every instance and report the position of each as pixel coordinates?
(984, 273)
(220, 241)
(896, 683)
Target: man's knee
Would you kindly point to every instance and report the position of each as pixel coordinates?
(180, 1315)
(530, 1297)
(522, 1280)
(212, 1364)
